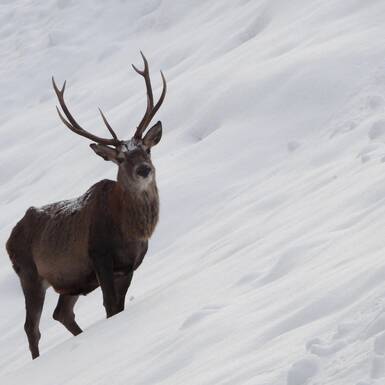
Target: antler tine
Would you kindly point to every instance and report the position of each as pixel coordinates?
(112, 132)
(74, 126)
(150, 98)
(160, 101)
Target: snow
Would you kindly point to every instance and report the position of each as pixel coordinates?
(268, 264)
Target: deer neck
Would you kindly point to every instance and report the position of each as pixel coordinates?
(138, 211)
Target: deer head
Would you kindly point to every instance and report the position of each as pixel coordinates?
(132, 156)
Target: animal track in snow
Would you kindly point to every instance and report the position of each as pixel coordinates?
(378, 367)
(254, 28)
(282, 266)
(376, 329)
(349, 333)
(372, 149)
(368, 106)
(377, 130)
(378, 361)
(375, 102)
(302, 371)
(249, 32)
(293, 145)
(248, 279)
(322, 349)
(287, 261)
(56, 38)
(344, 329)
(198, 316)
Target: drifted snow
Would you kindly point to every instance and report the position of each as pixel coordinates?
(268, 265)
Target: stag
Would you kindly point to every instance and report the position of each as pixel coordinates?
(97, 239)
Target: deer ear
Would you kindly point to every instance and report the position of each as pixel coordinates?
(107, 153)
(153, 135)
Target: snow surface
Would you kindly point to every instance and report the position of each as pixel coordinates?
(268, 265)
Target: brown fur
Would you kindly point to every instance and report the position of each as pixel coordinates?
(76, 245)
(56, 237)
(97, 239)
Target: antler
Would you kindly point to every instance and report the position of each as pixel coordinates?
(150, 110)
(75, 127)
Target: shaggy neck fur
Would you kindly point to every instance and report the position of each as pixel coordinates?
(139, 212)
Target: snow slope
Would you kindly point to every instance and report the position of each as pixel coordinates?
(268, 265)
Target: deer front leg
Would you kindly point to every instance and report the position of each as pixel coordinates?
(122, 283)
(103, 266)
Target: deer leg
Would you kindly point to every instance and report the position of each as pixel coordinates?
(105, 274)
(122, 283)
(34, 293)
(64, 313)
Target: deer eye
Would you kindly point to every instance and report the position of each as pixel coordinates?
(148, 151)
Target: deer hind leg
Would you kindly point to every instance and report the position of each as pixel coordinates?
(34, 293)
(64, 313)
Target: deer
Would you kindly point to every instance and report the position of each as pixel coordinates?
(97, 239)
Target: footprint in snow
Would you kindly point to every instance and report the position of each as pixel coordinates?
(199, 316)
(378, 362)
(285, 263)
(378, 367)
(351, 330)
(248, 279)
(377, 130)
(344, 329)
(322, 349)
(375, 102)
(293, 145)
(302, 371)
(255, 27)
(370, 150)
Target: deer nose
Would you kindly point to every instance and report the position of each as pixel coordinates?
(143, 170)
